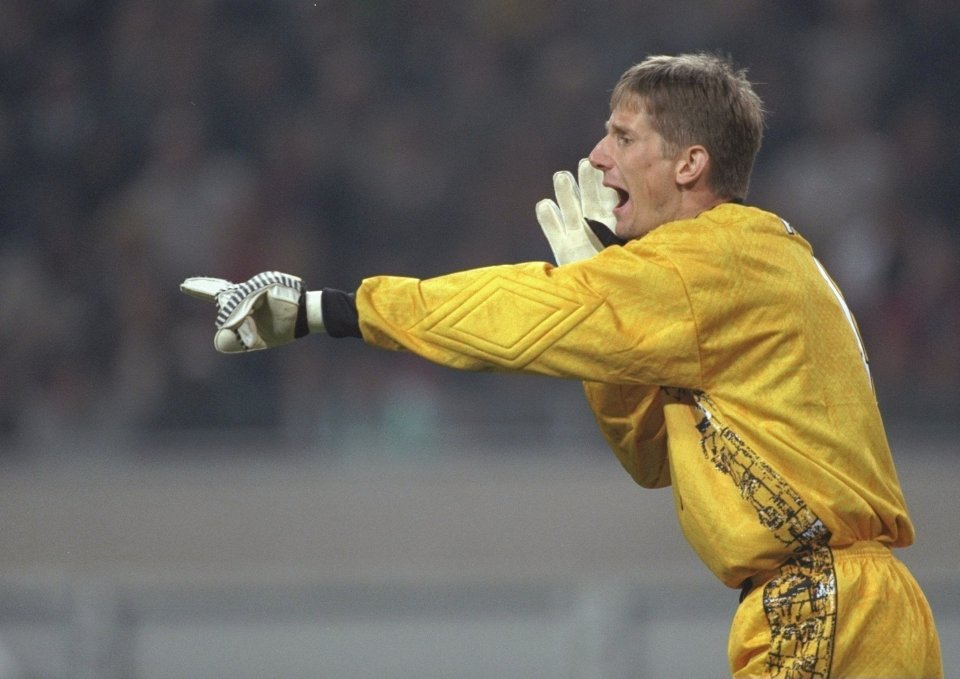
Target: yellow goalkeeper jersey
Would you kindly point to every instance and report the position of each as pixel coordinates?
(718, 358)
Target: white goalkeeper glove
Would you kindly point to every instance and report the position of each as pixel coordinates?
(580, 223)
(269, 310)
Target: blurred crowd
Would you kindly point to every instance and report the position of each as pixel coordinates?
(142, 142)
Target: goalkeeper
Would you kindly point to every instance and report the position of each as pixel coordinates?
(716, 354)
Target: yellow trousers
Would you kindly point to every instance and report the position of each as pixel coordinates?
(836, 612)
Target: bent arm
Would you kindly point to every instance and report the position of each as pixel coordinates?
(631, 420)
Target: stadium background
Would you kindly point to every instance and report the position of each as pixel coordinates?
(330, 511)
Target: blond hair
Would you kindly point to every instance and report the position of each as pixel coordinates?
(699, 99)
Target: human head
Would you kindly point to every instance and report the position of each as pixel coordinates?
(699, 99)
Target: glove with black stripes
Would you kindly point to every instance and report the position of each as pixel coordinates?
(269, 310)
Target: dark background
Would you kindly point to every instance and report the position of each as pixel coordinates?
(143, 142)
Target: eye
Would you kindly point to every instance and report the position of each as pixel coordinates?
(622, 139)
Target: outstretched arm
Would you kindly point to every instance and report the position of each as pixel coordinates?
(575, 322)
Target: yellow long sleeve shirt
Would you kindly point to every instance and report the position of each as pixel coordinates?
(718, 358)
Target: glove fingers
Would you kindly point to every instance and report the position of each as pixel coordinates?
(204, 287)
(257, 314)
(227, 341)
(240, 311)
(568, 198)
(598, 200)
(551, 221)
(588, 176)
(249, 335)
(245, 294)
(244, 333)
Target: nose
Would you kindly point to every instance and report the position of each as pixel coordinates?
(599, 157)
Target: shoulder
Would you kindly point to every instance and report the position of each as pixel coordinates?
(726, 227)
(729, 217)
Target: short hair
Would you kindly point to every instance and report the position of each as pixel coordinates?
(699, 99)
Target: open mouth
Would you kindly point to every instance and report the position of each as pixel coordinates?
(622, 196)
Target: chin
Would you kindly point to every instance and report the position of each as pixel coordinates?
(625, 231)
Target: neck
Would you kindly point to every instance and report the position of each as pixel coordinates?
(695, 202)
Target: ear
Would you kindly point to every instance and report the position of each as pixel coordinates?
(692, 164)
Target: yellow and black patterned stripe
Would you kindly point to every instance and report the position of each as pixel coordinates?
(801, 601)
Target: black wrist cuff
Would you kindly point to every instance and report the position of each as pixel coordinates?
(302, 328)
(340, 318)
